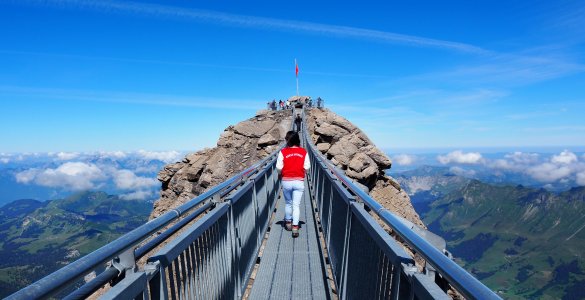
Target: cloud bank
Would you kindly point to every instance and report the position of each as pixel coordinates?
(404, 159)
(67, 155)
(127, 180)
(73, 176)
(108, 171)
(166, 156)
(565, 167)
(459, 157)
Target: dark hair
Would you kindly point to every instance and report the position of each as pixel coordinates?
(292, 139)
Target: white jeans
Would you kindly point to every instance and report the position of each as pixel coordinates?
(293, 194)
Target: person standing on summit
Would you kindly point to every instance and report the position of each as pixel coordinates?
(292, 163)
(298, 121)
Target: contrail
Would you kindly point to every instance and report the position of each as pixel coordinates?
(214, 17)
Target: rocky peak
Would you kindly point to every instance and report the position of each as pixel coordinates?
(245, 143)
(238, 147)
(353, 152)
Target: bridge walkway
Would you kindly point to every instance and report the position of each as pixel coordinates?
(292, 268)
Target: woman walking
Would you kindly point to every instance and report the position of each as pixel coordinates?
(292, 162)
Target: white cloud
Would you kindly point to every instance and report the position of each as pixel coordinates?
(549, 172)
(462, 172)
(460, 158)
(517, 161)
(563, 167)
(404, 159)
(113, 154)
(26, 176)
(581, 178)
(70, 175)
(523, 158)
(4, 160)
(147, 169)
(165, 156)
(138, 195)
(67, 155)
(127, 180)
(566, 157)
(503, 164)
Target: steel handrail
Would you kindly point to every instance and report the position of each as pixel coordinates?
(60, 279)
(463, 282)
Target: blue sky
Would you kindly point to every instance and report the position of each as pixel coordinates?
(110, 75)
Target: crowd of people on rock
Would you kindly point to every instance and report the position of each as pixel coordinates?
(282, 105)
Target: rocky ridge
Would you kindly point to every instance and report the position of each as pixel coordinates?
(241, 145)
(353, 152)
(238, 147)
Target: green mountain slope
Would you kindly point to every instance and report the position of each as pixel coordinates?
(41, 237)
(522, 242)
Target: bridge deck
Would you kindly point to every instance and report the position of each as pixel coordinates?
(291, 268)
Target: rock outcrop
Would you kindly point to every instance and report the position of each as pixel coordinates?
(238, 147)
(353, 152)
(241, 145)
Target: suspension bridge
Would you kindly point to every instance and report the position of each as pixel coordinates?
(230, 243)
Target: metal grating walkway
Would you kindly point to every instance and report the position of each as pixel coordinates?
(278, 277)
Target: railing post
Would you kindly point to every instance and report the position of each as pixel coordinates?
(155, 283)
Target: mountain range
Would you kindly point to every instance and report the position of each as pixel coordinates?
(41, 237)
(522, 242)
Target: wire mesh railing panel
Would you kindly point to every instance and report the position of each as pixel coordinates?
(246, 238)
(325, 209)
(366, 270)
(194, 273)
(322, 180)
(338, 231)
(189, 267)
(262, 204)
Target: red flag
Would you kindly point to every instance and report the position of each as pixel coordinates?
(296, 69)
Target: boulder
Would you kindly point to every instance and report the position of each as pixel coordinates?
(379, 157)
(360, 162)
(343, 160)
(192, 172)
(270, 138)
(359, 139)
(168, 171)
(323, 147)
(331, 131)
(343, 148)
(254, 129)
(340, 122)
(231, 140)
(365, 175)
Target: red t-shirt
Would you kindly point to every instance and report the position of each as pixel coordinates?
(293, 163)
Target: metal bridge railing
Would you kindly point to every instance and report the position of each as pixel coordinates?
(213, 258)
(366, 262)
(256, 186)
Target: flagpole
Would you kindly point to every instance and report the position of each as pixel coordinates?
(297, 73)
